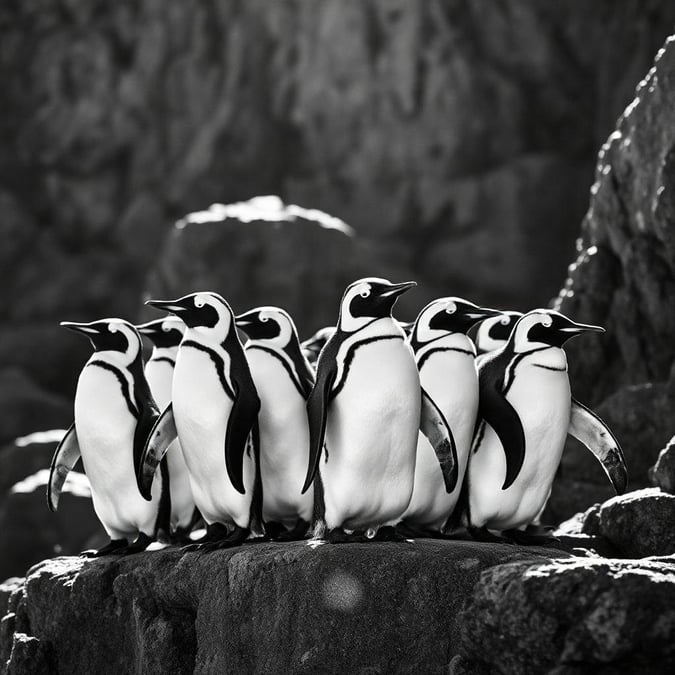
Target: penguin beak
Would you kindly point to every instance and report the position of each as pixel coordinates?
(578, 328)
(482, 313)
(172, 306)
(245, 319)
(147, 328)
(395, 290)
(84, 328)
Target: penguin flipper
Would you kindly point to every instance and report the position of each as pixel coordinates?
(162, 434)
(588, 428)
(437, 431)
(65, 458)
(502, 417)
(243, 416)
(317, 410)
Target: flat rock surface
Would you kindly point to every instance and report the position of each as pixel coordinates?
(263, 608)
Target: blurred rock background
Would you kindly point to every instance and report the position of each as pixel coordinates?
(457, 139)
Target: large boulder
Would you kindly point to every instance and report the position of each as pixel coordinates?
(260, 252)
(625, 272)
(624, 280)
(26, 407)
(263, 608)
(25, 456)
(30, 533)
(662, 474)
(635, 525)
(605, 617)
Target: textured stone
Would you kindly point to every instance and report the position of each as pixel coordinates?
(662, 474)
(260, 608)
(26, 407)
(30, 533)
(625, 272)
(640, 523)
(635, 525)
(261, 252)
(26, 455)
(458, 138)
(571, 616)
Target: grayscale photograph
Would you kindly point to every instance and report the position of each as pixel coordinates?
(337, 337)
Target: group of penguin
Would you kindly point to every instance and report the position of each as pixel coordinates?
(371, 430)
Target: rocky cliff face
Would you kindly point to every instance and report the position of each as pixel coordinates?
(260, 608)
(624, 279)
(457, 138)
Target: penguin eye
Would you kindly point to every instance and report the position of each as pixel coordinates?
(365, 293)
(112, 328)
(199, 302)
(505, 320)
(547, 321)
(451, 308)
(264, 319)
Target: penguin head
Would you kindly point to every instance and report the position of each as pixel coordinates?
(110, 335)
(368, 299)
(208, 313)
(494, 332)
(448, 315)
(313, 345)
(270, 324)
(546, 327)
(163, 333)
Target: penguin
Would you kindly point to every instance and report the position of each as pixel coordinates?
(311, 347)
(114, 413)
(526, 408)
(494, 332)
(445, 358)
(213, 412)
(283, 379)
(367, 405)
(165, 335)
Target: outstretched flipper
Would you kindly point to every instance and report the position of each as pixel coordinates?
(588, 428)
(437, 431)
(161, 436)
(317, 411)
(65, 458)
(243, 417)
(502, 417)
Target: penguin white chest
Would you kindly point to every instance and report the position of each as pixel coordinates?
(202, 408)
(284, 439)
(451, 380)
(160, 376)
(368, 467)
(540, 394)
(105, 429)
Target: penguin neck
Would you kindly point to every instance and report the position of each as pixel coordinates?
(119, 360)
(383, 326)
(450, 341)
(164, 354)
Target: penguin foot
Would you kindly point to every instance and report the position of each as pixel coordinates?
(526, 538)
(388, 533)
(277, 532)
(180, 536)
(338, 536)
(214, 532)
(238, 537)
(113, 546)
(139, 544)
(483, 534)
